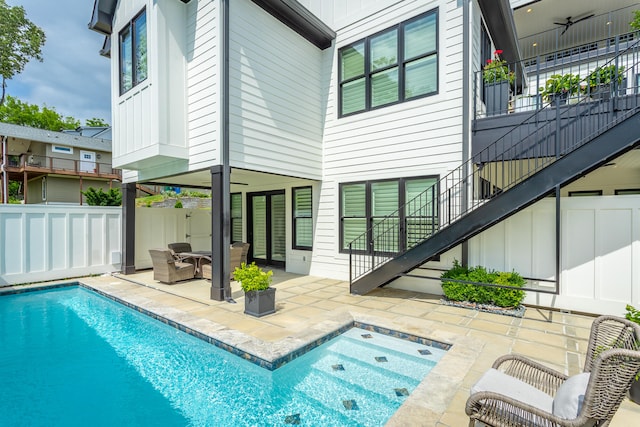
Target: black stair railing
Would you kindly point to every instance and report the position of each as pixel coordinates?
(547, 134)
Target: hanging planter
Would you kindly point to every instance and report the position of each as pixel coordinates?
(497, 80)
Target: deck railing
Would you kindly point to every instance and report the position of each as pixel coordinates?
(34, 162)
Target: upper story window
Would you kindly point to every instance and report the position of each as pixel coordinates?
(133, 52)
(395, 65)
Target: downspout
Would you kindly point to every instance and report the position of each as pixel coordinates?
(466, 110)
(5, 183)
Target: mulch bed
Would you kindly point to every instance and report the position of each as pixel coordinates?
(487, 308)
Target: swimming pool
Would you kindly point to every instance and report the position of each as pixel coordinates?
(71, 357)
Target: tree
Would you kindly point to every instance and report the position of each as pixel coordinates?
(20, 41)
(25, 114)
(96, 122)
(99, 198)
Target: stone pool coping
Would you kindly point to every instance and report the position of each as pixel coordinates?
(424, 406)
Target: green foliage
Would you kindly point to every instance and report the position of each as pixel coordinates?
(497, 70)
(252, 277)
(560, 84)
(96, 122)
(113, 197)
(25, 114)
(20, 41)
(605, 75)
(501, 297)
(178, 205)
(635, 23)
(633, 314)
(197, 194)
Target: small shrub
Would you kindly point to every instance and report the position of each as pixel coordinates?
(178, 205)
(501, 297)
(94, 197)
(252, 277)
(633, 314)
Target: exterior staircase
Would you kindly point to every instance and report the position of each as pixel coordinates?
(550, 148)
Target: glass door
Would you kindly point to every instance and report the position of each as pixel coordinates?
(267, 227)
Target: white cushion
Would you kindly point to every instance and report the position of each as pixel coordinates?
(570, 396)
(499, 382)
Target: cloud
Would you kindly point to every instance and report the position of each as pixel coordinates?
(73, 78)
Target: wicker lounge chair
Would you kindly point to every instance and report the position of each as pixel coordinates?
(521, 392)
(235, 260)
(167, 270)
(245, 250)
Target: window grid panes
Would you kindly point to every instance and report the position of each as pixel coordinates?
(133, 53)
(302, 218)
(398, 64)
(365, 204)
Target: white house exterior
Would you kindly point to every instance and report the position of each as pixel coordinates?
(311, 120)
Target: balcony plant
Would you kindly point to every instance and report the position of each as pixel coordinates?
(633, 314)
(600, 81)
(259, 297)
(559, 87)
(497, 81)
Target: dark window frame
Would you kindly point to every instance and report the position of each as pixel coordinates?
(585, 193)
(402, 217)
(233, 219)
(294, 218)
(130, 29)
(401, 65)
(627, 191)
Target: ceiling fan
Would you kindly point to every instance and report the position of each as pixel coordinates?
(569, 22)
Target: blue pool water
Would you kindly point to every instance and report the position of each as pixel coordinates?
(69, 357)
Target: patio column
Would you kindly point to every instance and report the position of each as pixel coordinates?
(128, 228)
(220, 233)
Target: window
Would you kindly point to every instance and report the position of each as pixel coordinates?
(61, 149)
(585, 193)
(133, 53)
(627, 192)
(395, 65)
(236, 217)
(364, 204)
(302, 218)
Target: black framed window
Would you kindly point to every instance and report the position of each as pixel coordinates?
(364, 204)
(394, 65)
(585, 193)
(236, 217)
(133, 52)
(302, 218)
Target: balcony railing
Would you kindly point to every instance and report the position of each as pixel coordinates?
(47, 164)
(580, 64)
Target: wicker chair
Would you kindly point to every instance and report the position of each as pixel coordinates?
(612, 361)
(245, 250)
(167, 270)
(235, 256)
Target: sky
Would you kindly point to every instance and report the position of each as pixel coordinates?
(73, 78)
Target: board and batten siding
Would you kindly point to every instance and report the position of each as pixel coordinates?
(414, 138)
(277, 96)
(203, 83)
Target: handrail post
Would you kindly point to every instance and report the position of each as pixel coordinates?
(350, 265)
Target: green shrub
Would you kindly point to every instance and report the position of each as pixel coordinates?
(178, 205)
(94, 197)
(633, 314)
(501, 297)
(252, 277)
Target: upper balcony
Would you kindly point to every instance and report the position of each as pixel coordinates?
(33, 165)
(564, 65)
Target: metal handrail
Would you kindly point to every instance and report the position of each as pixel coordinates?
(547, 134)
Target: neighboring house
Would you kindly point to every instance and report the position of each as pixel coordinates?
(55, 167)
(357, 141)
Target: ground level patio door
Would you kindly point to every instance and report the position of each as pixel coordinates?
(266, 227)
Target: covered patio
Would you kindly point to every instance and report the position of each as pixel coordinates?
(307, 307)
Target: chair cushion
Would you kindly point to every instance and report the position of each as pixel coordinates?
(570, 395)
(498, 382)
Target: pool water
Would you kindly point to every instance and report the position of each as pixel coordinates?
(72, 357)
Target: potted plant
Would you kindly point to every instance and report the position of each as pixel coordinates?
(259, 298)
(600, 81)
(634, 392)
(559, 87)
(497, 81)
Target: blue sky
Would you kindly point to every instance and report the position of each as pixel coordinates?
(73, 78)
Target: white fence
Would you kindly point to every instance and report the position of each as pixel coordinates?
(48, 242)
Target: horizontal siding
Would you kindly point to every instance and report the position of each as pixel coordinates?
(276, 94)
(419, 137)
(203, 74)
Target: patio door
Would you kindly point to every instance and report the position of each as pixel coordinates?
(267, 227)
